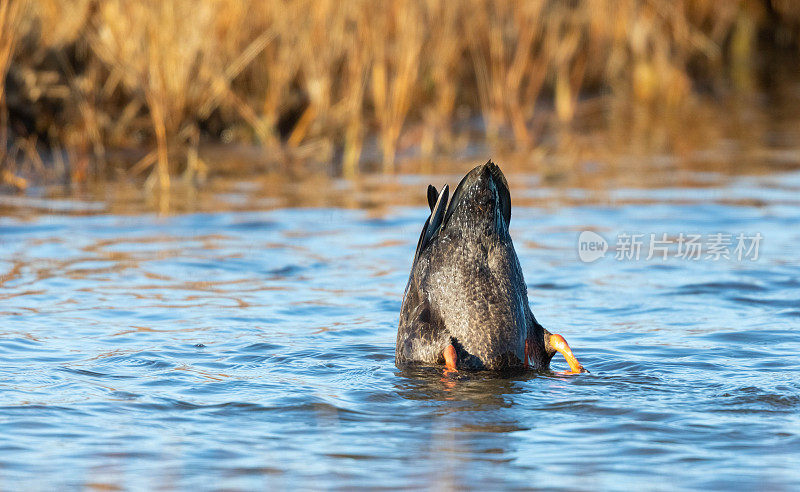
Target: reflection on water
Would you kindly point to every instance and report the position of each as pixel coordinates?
(251, 349)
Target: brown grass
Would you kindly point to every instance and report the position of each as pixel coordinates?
(10, 14)
(321, 78)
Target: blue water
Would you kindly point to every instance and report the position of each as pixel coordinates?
(251, 350)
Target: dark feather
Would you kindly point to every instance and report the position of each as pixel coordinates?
(502, 190)
(433, 222)
(500, 184)
(433, 195)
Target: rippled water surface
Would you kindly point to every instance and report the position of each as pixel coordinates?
(253, 349)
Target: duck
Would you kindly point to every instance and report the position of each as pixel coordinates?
(465, 305)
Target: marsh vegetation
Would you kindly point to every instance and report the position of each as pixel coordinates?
(96, 90)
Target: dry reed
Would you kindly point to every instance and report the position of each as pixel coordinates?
(321, 77)
(10, 14)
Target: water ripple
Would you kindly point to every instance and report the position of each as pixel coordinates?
(255, 350)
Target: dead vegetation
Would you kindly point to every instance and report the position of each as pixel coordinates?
(85, 79)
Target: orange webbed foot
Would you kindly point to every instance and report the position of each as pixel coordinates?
(562, 347)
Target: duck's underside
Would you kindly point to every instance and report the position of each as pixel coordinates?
(466, 302)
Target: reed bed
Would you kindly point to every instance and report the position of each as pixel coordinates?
(94, 87)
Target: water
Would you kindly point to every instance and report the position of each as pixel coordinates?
(255, 349)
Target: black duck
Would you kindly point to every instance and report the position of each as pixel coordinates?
(466, 302)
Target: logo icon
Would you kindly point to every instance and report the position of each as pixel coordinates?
(591, 246)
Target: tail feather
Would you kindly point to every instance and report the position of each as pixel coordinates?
(434, 222)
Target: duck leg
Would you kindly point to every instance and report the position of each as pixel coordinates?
(526, 362)
(562, 347)
(450, 358)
